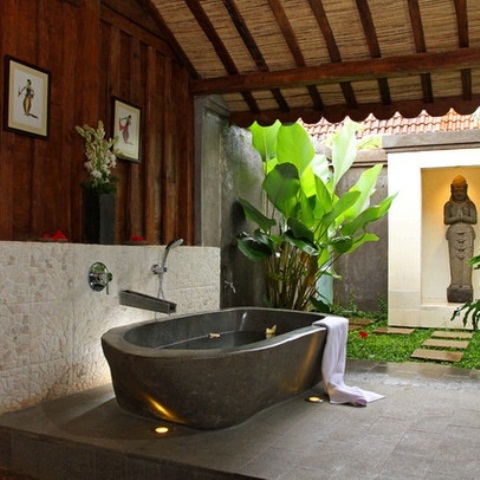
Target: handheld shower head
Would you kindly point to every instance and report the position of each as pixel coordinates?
(170, 245)
(175, 243)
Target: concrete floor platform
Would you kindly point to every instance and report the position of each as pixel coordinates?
(426, 427)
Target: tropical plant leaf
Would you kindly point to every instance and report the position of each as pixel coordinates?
(359, 241)
(264, 139)
(366, 186)
(344, 151)
(282, 185)
(299, 230)
(343, 203)
(371, 214)
(253, 214)
(320, 306)
(294, 146)
(341, 244)
(301, 244)
(252, 248)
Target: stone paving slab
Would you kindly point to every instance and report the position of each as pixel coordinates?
(451, 334)
(440, 355)
(395, 330)
(433, 342)
(364, 322)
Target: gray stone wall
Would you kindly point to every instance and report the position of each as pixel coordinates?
(227, 168)
(365, 272)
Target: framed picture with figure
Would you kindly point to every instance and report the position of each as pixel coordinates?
(27, 97)
(127, 128)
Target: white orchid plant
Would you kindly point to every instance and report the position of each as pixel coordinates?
(102, 158)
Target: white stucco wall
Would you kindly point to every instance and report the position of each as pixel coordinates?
(419, 271)
(51, 321)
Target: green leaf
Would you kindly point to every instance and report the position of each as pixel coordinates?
(341, 244)
(320, 306)
(294, 146)
(371, 214)
(253, 214)
(282, 185)
(359, 241)
(344, 151)
(299, 230)
(343, 204)
(366, 186)
(252, 248)
(302, 244)
(264, 139)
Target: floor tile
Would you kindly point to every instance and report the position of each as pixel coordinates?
(426, 427)
(394, 330)
(452, 334)
(433, 342)
(439, 355)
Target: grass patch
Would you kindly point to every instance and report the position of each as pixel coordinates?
(398, 348)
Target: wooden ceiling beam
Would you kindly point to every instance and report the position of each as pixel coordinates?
(420, 47)
(371, 69)
(463, 41)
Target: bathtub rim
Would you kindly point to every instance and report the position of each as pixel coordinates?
(115, 337)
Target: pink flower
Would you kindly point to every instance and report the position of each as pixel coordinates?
(363, 333)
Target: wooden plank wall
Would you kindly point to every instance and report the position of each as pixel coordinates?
(95, 51)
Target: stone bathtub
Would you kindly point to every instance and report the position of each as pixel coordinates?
(217, 369)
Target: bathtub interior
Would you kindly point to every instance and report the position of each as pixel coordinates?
(224, 328)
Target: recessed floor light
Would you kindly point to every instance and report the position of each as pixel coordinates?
(314, 399)
(162, 430)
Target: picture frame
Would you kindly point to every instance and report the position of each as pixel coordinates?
(127, 126)
(27, 98)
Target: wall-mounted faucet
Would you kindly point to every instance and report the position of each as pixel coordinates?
(99, 277)
(161, 269)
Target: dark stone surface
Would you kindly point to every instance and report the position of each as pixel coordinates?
(156, 374)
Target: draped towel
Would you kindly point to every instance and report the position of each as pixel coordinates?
(333, 365)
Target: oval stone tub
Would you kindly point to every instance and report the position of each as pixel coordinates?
(216, 369)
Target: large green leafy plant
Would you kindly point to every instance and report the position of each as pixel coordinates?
(305, 225)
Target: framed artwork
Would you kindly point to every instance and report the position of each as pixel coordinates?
(27, 97)
(127, 127)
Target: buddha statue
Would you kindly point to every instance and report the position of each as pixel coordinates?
(460, 214)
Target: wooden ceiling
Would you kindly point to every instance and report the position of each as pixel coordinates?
(313, 59)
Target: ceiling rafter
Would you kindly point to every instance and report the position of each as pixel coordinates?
(289, 34)
(463, 41)
(209, 30)
(373, 46)
(253, 49)
(420, 47)
(333, 51)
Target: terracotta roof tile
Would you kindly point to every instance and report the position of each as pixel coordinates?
(398, 125)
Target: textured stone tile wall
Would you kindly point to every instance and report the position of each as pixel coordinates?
(51, 321)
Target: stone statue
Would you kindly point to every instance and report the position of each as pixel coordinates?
(460, 214)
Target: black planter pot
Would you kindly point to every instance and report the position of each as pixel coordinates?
(98, 217)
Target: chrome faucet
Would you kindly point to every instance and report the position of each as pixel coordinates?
(160, 270)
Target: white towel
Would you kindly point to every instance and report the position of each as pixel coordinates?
(333, 365)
